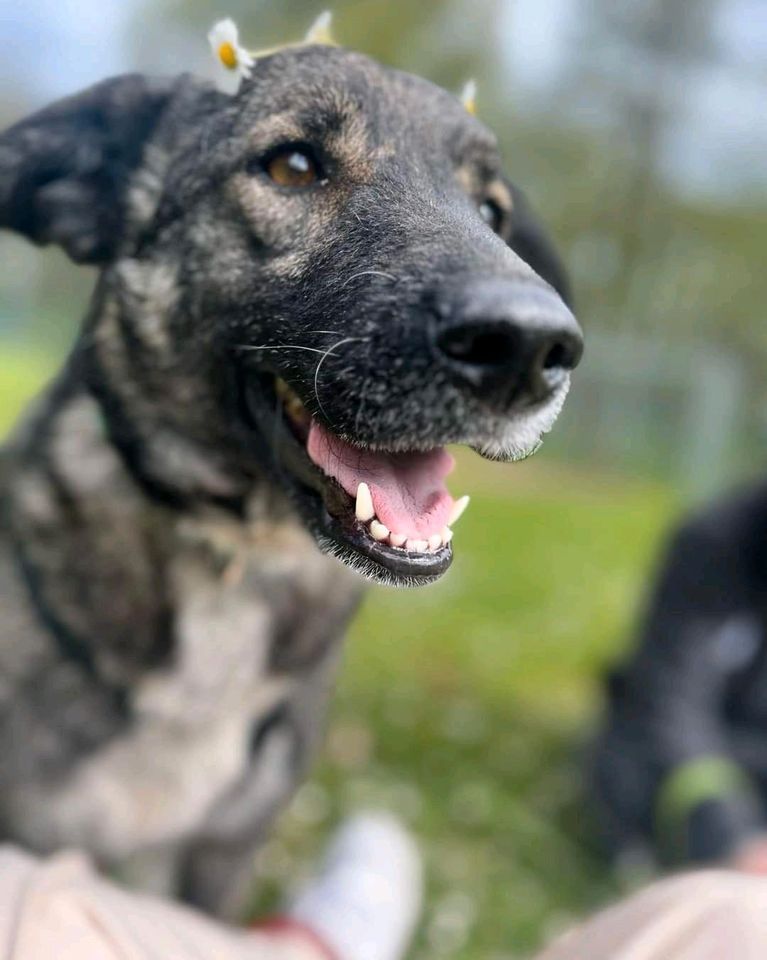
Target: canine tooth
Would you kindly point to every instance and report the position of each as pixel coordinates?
(417, 546)
(447, 535)
(364, 505)
(378, 531)
(457, 512)
(289, 397)
(435, 541)
(397, 539)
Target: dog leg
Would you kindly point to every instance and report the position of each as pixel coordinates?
(218, 870)
(154, 870)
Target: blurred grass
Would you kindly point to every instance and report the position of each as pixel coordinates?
(464, 707)
(22, 371)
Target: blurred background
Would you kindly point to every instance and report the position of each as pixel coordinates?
(638, 129)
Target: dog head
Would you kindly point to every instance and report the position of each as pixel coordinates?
(327, 278)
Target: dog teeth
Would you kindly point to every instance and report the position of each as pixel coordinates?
(291, 402)
(281, 388)
(289, 396)
(457, 512)
(364, 506)
(378, 531)
(365, 513)
(417, 546)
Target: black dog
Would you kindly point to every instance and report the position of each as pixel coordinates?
(682, 765)
(306, 291)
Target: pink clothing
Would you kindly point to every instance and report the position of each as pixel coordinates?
(709, 915)
(60, 909)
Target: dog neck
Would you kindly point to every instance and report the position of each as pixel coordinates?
(174, 427)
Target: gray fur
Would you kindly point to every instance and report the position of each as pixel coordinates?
(169, 627)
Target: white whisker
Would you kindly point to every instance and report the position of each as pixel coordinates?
(369, 273)
(329, 352)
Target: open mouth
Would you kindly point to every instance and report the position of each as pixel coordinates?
(388, 514)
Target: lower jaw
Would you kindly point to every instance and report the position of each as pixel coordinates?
(380, 562)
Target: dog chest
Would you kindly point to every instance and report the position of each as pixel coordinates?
(250, 627)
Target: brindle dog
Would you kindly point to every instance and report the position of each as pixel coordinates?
(305, 291)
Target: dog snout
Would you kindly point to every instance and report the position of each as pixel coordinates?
(507, 341)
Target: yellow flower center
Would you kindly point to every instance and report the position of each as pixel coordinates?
(228, 55)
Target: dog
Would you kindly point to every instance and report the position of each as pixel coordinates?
(679, 771)
(305, 291)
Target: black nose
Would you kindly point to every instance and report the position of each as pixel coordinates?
(507, 341)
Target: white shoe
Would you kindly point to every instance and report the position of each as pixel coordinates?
(366, 899)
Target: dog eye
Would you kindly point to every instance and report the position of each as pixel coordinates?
(492, 214)
(293, 167)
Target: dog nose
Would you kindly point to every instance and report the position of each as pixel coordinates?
(508, 341)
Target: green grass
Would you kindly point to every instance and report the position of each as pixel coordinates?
(464, 706)
(22, 371)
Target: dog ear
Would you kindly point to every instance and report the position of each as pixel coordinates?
(64, 171)
(529, 240)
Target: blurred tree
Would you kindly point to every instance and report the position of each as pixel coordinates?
(631, 61)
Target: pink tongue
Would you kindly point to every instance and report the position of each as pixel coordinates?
(409, 496)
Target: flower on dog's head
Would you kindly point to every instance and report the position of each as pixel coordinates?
(469, 97)
(234, 62)
(321, 30)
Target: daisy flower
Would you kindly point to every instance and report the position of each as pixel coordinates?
(234, 63)
(469, 97)
(320, 31)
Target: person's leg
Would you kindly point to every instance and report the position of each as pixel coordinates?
(709, 915)
(61, 908)
(362, 905)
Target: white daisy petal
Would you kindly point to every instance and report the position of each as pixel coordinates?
(228, 81)
(469, 97)
(233, 62)
(225, 31)
(320, 31)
